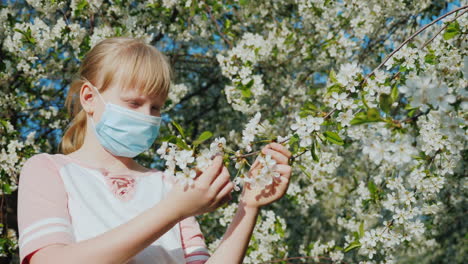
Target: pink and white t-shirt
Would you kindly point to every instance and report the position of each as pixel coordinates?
(62, 200)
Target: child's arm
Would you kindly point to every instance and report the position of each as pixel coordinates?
(117, 245)
(120, 244)
(236, 239)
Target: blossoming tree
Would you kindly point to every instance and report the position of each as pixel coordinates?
(370, 96)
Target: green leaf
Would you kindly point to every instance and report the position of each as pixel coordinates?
(303, 169)
(335, 88)
(246, 93)
(227, 24)
(4, 123)
(364, 101)
(289, 39)
(293, 142)
(430, 58)
(385, 102)
(179, 128)
(203, 137)
(372, 188)
(308, 108)
(333, 76)
(181, 144)
(22, 103)
(373, 115)
(333, 137)
(356, 236)
(243, 2)
(193, 9)
(6, 188)
(80, 6)
(452, 30)
(403, 69)
(168, 138)
(294, 139)
(27, 35)
(250, 84)
(361, 230)
(313, 151)
(394, 93)
(279, 229)
(352, 246)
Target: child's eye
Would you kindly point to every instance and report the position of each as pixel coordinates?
(133, 103)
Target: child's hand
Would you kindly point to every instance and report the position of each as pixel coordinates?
(209, 191)
(256, 198)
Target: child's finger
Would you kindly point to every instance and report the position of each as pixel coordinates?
(283, 186)
(254, 166)
(278, 156)
(210, 174)
(225, 194)
(280, 148)
(284, 170)
(221, 180)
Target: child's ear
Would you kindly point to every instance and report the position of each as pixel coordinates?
(87, 98)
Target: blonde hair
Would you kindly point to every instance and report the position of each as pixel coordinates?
(127, 61)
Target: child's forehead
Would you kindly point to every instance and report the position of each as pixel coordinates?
(128, 85)
(129, 91)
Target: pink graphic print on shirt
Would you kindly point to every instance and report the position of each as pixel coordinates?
(122, 186)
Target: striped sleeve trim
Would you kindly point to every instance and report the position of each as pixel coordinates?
(43, 227)
(46, 231)
(191, 250)
(196, 255)
(46, 221)
(196, 259)
(48, 238)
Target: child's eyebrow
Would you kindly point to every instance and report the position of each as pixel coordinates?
(140, 98)
(132, 96)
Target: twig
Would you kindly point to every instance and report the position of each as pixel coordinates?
(298, 155)
(441, 29)
(208, 9)
(412, 37)
(405, 42)
(413, 118)
(254, 153)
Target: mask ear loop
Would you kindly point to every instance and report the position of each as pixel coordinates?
(99, 94)
(102, 99)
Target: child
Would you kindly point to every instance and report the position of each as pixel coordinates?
(95, 204)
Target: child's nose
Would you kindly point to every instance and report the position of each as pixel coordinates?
(146, 110)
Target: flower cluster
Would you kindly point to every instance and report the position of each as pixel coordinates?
(304, 128)
(267, 174)
(180, 158)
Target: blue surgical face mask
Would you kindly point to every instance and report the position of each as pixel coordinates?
(124, 132)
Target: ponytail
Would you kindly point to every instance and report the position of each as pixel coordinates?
(73, 137)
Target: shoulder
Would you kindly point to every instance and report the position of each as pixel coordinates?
(37, 160)
(48, 161)
(42, 164)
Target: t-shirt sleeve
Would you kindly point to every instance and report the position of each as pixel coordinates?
(193, 242)
(43, 217)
